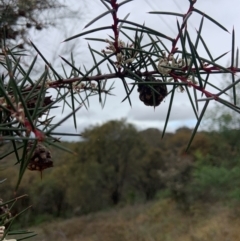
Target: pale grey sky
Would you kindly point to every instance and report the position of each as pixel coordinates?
(225, 12)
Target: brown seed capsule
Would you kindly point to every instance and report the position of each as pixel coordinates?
(152, 96)
(41, 158)
(31, 104)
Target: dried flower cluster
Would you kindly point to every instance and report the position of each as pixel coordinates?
(18, 111)
(167, 64)
(78, 87)
(121, 58)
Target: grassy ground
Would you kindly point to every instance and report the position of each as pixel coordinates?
(157, 221)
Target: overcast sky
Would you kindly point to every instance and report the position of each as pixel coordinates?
(218, 41)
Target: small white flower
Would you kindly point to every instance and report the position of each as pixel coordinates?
(19, 114)
(162, 66)
(93, 85)
(128, 61)
(181, 89)
(82, 85)
(181, 63)
(121, 44)
(2, 228)
(192, 80)
(164, 62)
(121, 58)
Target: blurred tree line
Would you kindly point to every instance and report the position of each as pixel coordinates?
(117, 165)
(18, 17)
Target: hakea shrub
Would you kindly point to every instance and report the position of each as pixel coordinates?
(156, 70)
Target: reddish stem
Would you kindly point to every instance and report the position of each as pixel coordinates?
(115, 25)
(28, 126)
(38, 134)
(185, 80)
(174, 48)
(64, 82)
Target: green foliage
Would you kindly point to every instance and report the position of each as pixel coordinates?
(146, 174)
(116, 165)
(214, 173)
(215, 183)
(114, 162)
(49, 197)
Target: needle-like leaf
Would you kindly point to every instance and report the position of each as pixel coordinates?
(199, 33)
(145, 29)
(70, 64)
(99, 17)
(121, 24)
(232, 66)
(169, 111)
(191, 101)
(194, 58)
(62, 120)
(96, 39)
(73, 106)
(127, 92)
(44, 59)
(124, 2)
(94, 60)
(87, 32)
(211, 19)
(197, 125)
(167, 13)
(105, 5)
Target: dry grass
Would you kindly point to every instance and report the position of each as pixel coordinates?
(158, 221)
